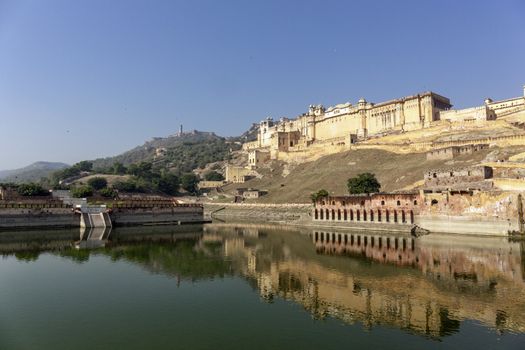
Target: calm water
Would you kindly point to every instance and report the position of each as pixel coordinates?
(255, 287)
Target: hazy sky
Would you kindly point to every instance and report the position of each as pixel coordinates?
(85, 79)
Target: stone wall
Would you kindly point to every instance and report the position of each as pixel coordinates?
(454, 151)
(481, 113)
(283, 213)
(17, 218)
(467, 178)
(157, 216)
(481, 213)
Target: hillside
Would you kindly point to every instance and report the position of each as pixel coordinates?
(31, 173)
(394, 171)
(182, 153)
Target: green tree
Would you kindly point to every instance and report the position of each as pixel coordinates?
(142, 169)
(118, 168)
(125, 186)
(168, 183)
(363, 183)
(213, 176)
(84, 165)
(318, 195)
(82, 192)
(97, 183)
(189, 182)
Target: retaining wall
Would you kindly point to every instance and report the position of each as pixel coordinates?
(157, 216)
(289, 213)
(11, 218)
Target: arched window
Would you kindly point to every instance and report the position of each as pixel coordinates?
(411, 217)
(345, 215)
(333, 214)
(339, 214)
(316, 214)
(321, 216)
(395, 215)
(387, 215)
(403, 218)
(327, 212)
(364, 215)
(351, 215)
(371, 215)
(379, 215)
(358, 214)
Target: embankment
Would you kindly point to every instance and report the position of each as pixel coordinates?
(282, 213)
(19, 218)
(156, 216)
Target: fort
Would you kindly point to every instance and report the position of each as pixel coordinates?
(340, 127)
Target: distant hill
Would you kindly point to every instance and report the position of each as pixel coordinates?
(31, 173)
(183, 152)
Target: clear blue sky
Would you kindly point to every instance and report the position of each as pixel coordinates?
(84, 79)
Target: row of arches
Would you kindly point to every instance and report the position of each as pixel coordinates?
(397, 243)
(379, 215)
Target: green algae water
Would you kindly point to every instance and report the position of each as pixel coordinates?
(228, 286)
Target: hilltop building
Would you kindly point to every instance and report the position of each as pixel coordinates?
(345, 124)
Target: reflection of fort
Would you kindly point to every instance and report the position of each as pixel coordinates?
(461, 279)
(426, 285)
(440, 256)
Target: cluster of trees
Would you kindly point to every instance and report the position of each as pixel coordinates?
(73, 170)
(31, 189)
(144, 177)
(96, 184)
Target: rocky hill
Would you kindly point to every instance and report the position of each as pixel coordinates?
(184, 152)
(31, 173)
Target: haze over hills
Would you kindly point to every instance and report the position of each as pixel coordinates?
(31, 173)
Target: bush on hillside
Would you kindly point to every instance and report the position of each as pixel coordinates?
(97, 183)
(319, 194)
(189, 182)
(82, 192)
(213, 176)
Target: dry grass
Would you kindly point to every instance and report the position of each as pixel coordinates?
(394, 171)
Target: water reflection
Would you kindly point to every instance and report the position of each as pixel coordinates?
(426, 285)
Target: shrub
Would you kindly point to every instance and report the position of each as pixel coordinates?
(108, 192)
(82, 192)
(125, 186)
(97, 183)
(319, 194)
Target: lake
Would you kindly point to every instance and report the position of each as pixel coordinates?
(241, 286)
